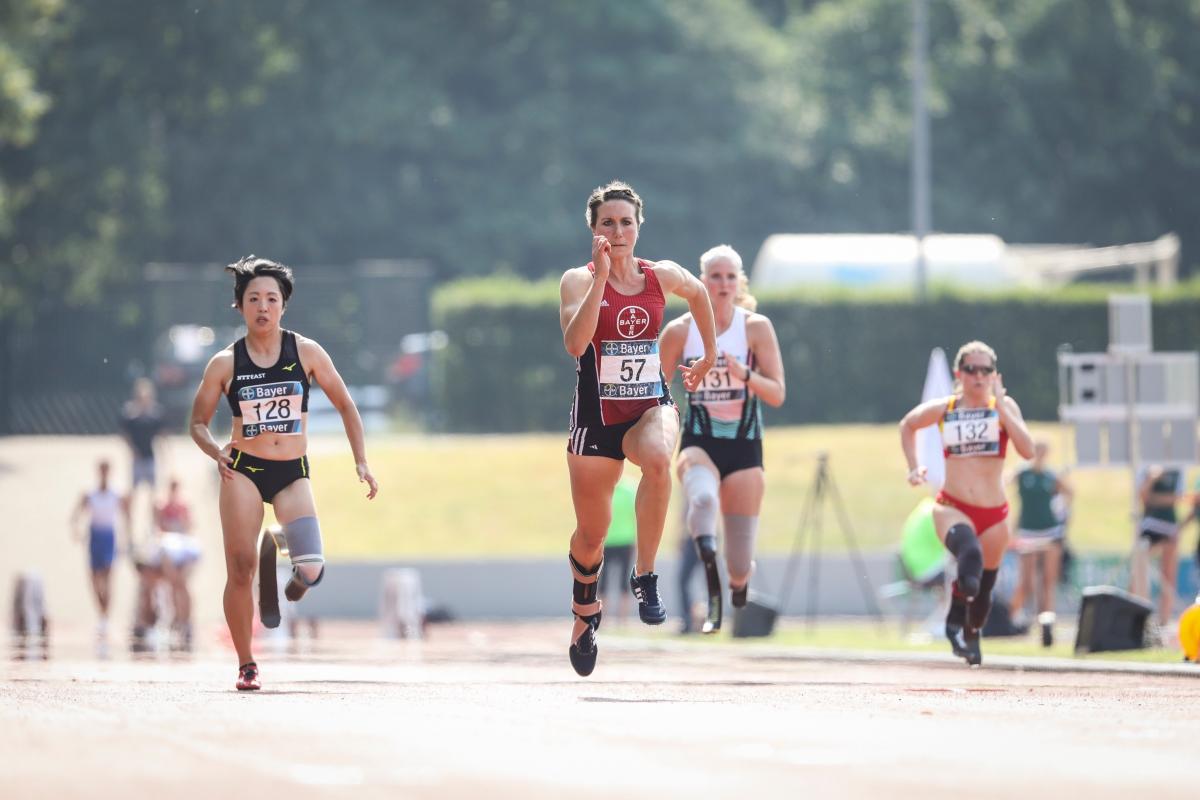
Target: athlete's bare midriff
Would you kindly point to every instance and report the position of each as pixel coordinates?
(976, 481)
(272, 446)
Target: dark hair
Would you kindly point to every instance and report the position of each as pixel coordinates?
(251, 267)
(615, 190)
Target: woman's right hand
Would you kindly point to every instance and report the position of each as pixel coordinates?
(916, 475)
(601, 257)
(225, 462)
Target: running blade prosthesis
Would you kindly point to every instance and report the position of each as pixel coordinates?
(964, 645)
(268, 586)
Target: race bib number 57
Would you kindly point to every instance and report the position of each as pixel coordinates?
(630, 370)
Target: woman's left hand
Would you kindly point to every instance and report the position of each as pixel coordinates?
(998, 389)
(364, 475)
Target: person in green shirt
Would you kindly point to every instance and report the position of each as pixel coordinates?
(620, 543)
(1045, 498)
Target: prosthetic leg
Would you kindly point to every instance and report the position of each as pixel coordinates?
(271, 542)
(706, 548)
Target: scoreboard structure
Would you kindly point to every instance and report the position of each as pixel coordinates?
(1130, 406)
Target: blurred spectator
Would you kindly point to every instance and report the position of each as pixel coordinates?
(1045, 499)
(141, 424)
(1159, 491)
(101, 506)
(620, 544)
(179, 551)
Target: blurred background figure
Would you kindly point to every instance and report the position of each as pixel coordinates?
(619, 546)
(1160, 489)
(101, 507)
(141, 425)
(1045, 501)
(179, 551)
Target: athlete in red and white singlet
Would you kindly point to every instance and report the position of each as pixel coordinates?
(611, 312)
(971, 517)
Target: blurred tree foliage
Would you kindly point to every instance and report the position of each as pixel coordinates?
(469, 132)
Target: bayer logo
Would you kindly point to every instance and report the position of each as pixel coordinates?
(611, 349)
(632, 321)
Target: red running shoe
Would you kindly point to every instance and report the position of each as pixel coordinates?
(248, 678)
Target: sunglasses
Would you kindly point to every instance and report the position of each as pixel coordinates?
(977, 369)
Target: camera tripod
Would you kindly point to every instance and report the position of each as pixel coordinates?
(812, 519)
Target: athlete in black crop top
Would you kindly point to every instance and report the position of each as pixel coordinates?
(265, 377)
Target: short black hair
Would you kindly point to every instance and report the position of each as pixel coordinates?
(251, 267)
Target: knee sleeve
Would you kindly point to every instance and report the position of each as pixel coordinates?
(304, 547)
(585, 600)
(740, 533)
(982, 604)
(700, 488)
(964, 545)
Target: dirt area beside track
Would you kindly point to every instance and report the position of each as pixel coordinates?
(496, 711)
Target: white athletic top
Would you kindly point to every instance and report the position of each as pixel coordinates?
(104, 505)
(721, 407)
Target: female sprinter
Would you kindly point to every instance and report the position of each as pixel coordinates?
(265, 378)
(611, 315)
(971, 516)
(721, 455)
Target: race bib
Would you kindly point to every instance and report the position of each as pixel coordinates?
(720, 385)
(971, 432)
(271, 408)
(630, 370)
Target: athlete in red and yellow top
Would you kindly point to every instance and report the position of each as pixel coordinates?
(971, 517)
(610, 312)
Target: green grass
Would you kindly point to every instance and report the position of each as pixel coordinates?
(867, 636)
(468, 496)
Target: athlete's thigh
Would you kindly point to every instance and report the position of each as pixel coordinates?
(593, 479)
(241, 516)
(994, 542)
(742, 492)
(946, 517)
(294, 501)
(653, 437)
(690, 457)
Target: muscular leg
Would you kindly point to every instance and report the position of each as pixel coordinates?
(1026, 569)
(1166, 595)
(241, 519)
(741, 499)
(994, 542)
(650, 444)
(593, 479)
(1051, 569)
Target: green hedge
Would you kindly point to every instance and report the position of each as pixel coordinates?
(848, 358)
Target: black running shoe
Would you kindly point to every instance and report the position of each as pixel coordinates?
(268, 585)
(584, 651)
(738, 596)
(645, 589)
(964, 644)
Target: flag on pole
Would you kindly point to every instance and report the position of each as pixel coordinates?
(938, 383)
